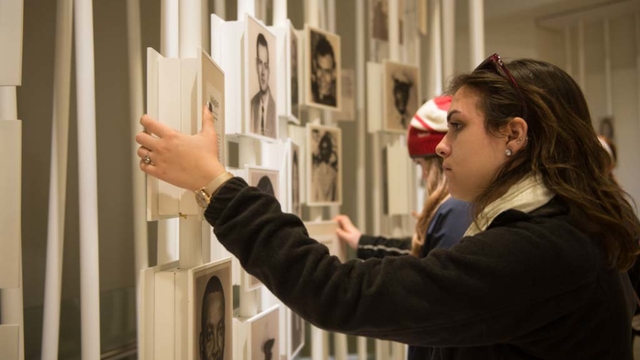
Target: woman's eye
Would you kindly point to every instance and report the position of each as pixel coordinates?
(454, 126)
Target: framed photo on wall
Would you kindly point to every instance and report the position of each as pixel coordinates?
(324, 232)
(267, 180)
(210, 312)
(322, 75)
(401, 94)
(263, 336)
(261, 113)
(324, 165)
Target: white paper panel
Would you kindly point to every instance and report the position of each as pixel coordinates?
(10, 198)
(169, 113)
(398, 170)
(374, 97)
(9, 342)
(153, 60)
(11, 12)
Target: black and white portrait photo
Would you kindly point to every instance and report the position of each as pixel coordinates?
(401, 93)
(296, 209)
(261, 78)
(212, 311)
(264, 179)
(379, 20)
(324, 178)
(265, 332)
(323, 69)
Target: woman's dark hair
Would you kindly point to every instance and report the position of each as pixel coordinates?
(562, 147)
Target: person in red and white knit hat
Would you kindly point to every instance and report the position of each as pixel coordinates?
(443, 219)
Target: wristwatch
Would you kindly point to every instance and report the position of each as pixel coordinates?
(204, 195)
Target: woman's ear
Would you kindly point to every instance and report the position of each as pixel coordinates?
(516, 131)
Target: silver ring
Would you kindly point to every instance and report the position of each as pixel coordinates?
(147, 159)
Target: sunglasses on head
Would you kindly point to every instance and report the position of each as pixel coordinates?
(494, 63)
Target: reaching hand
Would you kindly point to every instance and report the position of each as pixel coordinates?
(186, 161)
(347, 232)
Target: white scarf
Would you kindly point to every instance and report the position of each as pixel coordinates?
(526, 195)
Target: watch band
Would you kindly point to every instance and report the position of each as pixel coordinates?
(205, 194)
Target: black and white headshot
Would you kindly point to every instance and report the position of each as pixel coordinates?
(264, 335)
(213, 304)
(323, 50)
(379, 20)
(264, 179)
(401, 92)
(261, 79)
(324, 180)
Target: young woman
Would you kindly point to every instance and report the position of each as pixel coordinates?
(443, 219)
(541, 272)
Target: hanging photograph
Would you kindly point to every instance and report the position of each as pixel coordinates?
(267, 180)
(324, 232)
(324, 162)
(322, 54)
(295, 208)
(294, 75)
(379, 22)
(211, 90)
(401, 91)
(210, 312)
(264, 179)
(260, 75)
(264, 335)
(295, 342)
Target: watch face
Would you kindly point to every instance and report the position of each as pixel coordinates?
(202, 199)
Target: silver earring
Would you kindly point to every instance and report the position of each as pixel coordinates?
(508, 152)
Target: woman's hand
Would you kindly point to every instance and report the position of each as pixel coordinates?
(347, 232)
(187, 161)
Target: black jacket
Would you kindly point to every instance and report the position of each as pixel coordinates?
(532, 286)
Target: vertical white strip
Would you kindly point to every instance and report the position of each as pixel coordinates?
(220, 8)
(169, 44)
(448, 39)
(58, 180)
(434, 68)
(11, 302)
(312, 11)
(394, 30)
(136, 109)
(279, 12)
(190, 240)
(88, 182)
(476, 32)
(246, 6)
(169, 13)
(608, 79)
(582, 77)
(567, 51)
(190, 28)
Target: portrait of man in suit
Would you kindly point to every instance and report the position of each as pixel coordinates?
(324, 76)
(263, 105)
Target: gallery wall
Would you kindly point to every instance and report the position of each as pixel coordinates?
(523, 38)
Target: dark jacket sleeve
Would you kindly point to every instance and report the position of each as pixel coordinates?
(379, 247)
(487, 289)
